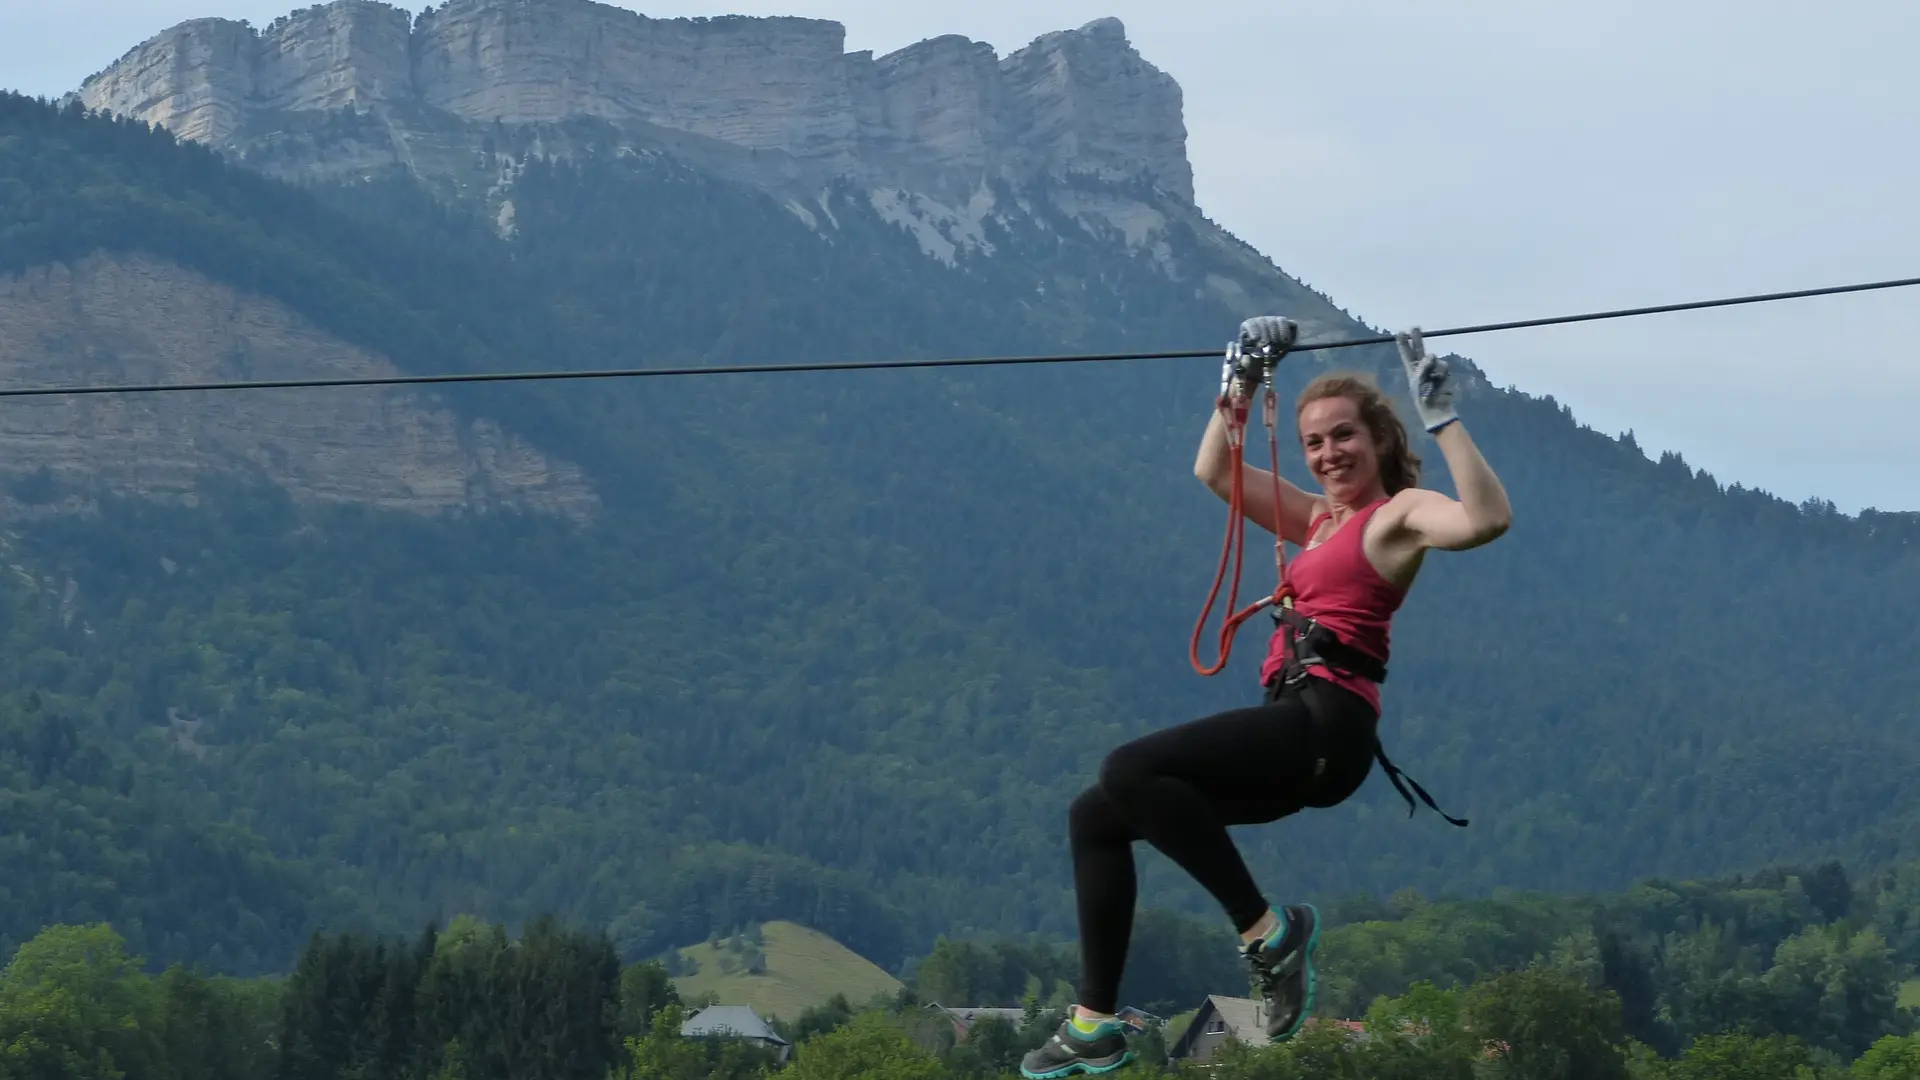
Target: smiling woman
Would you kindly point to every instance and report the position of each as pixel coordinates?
(1314, 740)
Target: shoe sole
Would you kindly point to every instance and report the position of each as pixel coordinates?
(1313, 979)
(1078, 1067)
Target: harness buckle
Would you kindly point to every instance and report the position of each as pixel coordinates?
(1309, 644)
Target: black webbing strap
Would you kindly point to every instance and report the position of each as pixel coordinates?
(1394, 774)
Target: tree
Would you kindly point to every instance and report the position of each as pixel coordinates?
(663, 1053)
(1744, 1057)
(1541, 1024)
(1419, 1036)
(1829, 890)
(645, 989)
(1628, 971)
(1896, 913)
(1836, 989)
(1896, 1057)
(1711, 984)
(835, 1012)
(872, 1047)
(216, 1029)
(74, 1004)
(1175, 961)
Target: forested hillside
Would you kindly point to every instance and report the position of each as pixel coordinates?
(841, 646)
(1790, 974)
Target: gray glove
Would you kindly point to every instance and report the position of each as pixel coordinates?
(1427, 377)
(1268, 335)
(1263, 339)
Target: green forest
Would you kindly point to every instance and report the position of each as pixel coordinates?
(1790, 973)
(841, 647)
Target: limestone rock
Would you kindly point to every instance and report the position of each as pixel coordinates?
(944, 113)
(939, 103)
(1086, 100)
(764, 84)
(196, 80)
(354, 52)
(142, 320)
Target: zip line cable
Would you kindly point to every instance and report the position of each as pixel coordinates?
(977, 361)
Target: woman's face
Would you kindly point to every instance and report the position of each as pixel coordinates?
(1340, 449)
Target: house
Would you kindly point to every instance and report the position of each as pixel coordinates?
(1354, 1028)
(736, 1022)
(1220, 1018)
(964, 1018)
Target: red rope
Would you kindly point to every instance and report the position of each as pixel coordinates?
(1281, 593)
(1235, 548)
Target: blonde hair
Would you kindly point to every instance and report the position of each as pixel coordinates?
(1399, 465)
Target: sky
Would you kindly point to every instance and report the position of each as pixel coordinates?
(1449, 164)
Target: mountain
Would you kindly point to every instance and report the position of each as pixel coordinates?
(781, 92)
(678, 656)
(942, 139)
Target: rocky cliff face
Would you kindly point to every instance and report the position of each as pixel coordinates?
(346, 54)
(945, 112)
(139, 320)
(196, 80)
(762, 84)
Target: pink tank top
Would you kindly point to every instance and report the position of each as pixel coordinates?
(1335, 585)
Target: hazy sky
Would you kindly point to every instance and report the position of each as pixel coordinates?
(1444, 164)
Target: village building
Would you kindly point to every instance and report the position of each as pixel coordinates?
(737, 1022)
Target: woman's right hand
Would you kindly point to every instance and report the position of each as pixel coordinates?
(1268, 334)
(1213, 465)
(1261, 336)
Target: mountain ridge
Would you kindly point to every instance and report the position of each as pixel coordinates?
(944, 111)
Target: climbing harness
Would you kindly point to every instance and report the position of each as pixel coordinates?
(1308, 643)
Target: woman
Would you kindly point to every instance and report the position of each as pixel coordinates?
(1313, 741)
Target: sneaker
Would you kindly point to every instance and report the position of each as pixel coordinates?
(1071, 1050)
(1282, 968)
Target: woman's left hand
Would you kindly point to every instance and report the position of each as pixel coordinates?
(1431, 383)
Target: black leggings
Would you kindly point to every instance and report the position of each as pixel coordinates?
(1179, 789)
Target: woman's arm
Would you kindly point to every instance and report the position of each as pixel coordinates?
(1480, 515)
(1213, 467)
(1432, 520)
